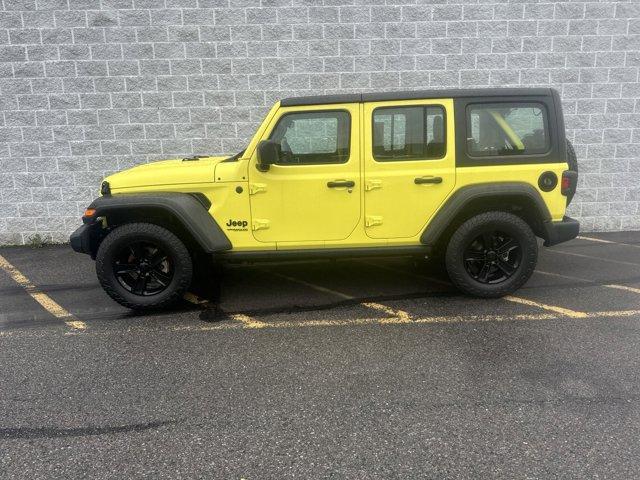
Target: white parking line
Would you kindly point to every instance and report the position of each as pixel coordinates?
(408, 274)
(318, 288)
(619, 262)
(591, 239)
(403, 317)
(624, 287)
(510, 298)
(394, 314)
(591, 282)
(542, 272)
(568, 277)
(602, 240)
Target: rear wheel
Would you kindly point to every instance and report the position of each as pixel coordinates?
(143, 266)
(491, 255)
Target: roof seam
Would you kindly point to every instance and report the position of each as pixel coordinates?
(412, 95)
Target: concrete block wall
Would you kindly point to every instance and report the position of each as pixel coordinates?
(88, 87)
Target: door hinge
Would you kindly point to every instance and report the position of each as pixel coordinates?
(372, 185)
(259, 224)
(257, 187)
(372, 220)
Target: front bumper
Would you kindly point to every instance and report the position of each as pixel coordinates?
(558, 232)
(81, 239)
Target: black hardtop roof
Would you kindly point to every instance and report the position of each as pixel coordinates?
(415, 94)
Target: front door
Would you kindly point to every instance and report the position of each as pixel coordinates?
(311, 195)
(409, 165)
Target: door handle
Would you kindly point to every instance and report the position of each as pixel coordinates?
(421, 180)
(341, 183)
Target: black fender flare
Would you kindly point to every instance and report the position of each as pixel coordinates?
(476, 193)
(191, 210)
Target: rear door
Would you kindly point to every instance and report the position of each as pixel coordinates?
(409, 165)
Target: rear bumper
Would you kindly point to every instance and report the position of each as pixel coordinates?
(558, 232)
(81, 239)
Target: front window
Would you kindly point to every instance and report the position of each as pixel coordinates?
(313, 137)
(498, 129)
(408, 133)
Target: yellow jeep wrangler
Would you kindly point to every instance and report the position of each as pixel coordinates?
(471, 175)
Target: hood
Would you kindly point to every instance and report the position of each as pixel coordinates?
(166, 172)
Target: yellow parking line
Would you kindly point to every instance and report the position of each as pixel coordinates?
(193, 298)
(552, 308)
(624, 287)
(444, 319)
(255, 324)
(400, 315)
(247, 321)
(372, 321)
(614, 313)
(423, 320)
(43, 299)
(400, 321)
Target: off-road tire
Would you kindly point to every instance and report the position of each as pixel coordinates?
(464, 235)
(132, 232)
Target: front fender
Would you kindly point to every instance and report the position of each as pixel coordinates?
(186, 209)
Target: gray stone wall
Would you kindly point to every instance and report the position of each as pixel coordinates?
(88, 87)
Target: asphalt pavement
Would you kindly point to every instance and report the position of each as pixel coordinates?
(345, 369)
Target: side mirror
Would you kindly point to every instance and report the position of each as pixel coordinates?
(267, 154)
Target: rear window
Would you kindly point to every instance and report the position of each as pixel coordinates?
(499, 129)
(408, 133)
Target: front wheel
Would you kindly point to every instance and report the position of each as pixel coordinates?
(491, 255)
(144, 266)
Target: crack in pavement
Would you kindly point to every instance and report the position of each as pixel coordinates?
(57, 432)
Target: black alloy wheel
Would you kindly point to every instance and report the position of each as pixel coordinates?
(492, 257)
(491, 254)
(143, 268)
